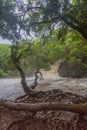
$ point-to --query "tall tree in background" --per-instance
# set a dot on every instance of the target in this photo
(9, 21)
(37, 15)
(49, 14)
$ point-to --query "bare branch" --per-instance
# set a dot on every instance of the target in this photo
(36, 7)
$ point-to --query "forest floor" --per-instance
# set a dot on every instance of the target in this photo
(46, 120)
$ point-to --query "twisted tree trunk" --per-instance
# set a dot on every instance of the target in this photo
(23, 80)
(36, 79)
(16, 62)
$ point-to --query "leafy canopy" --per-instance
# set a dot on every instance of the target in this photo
(11, 19)
(50, 14)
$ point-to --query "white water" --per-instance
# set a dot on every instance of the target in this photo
(11, 88)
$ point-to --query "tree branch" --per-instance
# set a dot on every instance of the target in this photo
(31, 8)
(71, 24)
(46, 21)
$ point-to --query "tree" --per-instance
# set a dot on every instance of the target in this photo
(34, 55)
(46, 15)
(16, 55)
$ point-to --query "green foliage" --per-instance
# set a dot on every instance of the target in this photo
(10, 19)
(73, 49)
(35, 55)
(2, 73)
(4, 54)
(47, 15)
(70, 47)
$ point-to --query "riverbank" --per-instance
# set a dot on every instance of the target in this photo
(45, 120)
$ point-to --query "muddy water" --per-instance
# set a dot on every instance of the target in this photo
(11, 88)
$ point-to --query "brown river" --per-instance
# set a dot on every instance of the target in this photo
(11, 87)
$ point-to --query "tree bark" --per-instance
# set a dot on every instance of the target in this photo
(23, 80)
(36, 79)
(83, 32)
(16, 62)
(80, 28)
(76, 108)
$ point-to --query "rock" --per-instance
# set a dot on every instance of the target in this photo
(72, 70)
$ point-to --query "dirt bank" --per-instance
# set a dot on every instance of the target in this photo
(45, 120)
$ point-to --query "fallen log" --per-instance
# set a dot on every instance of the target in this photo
(76, 108)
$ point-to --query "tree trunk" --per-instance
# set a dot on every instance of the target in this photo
(36, 79)
(16, 62)
(23, 81)
(76, 108)
(82, 29)
(83, 32)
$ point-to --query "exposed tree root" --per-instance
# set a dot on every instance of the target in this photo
(51, 95)
(44, 105)
(32, 93)
(76, 108)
